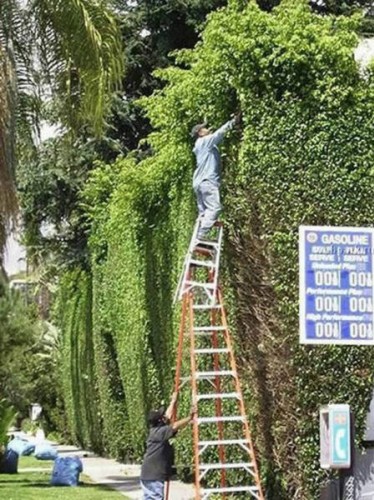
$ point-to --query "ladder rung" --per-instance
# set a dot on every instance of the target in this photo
(220, 465)
(221, 373)
(206, 243)
(188, 379)
(199, 283)
(211, 328)
(212, 351)
(203, 307)
(224, 442)
(203, 263)
(222, 395)
(212, 420)
(230, 489)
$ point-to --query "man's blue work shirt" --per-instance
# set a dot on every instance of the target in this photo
(207, 156)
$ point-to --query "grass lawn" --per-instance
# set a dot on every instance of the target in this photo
(30, 484)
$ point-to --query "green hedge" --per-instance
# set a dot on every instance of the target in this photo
(74, 309)
(304, 156)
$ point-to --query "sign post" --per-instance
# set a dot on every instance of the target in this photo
(336, 285)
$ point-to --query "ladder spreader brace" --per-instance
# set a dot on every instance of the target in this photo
(222, 443)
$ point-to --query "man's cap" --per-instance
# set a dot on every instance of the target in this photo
(155, 416)
(195, 130)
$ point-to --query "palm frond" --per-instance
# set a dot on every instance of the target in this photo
(81, 47)
(7, 416)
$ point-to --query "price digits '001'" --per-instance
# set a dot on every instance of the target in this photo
(328, 304)
(327, 278)
(360, 279)
(361, 304)
(361, 330)
(327, 330)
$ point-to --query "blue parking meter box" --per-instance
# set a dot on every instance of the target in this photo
(335, 436)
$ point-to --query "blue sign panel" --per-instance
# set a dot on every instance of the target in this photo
(336, 285)
(340, 436)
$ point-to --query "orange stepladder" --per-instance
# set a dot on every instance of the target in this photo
(225, 463)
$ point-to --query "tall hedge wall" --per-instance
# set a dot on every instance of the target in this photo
(74, 308)
(303, 156)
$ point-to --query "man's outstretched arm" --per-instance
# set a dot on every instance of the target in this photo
(180, 424)
(219, 134)
(169, 411)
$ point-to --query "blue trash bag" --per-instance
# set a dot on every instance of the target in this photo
(21, 446)
(9, 463)
(45, 451)
(66, 471)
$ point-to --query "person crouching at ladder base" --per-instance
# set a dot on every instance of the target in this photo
(207, 176)
(158, 459)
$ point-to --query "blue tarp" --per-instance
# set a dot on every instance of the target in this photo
(66, 471)
(45, 451)
(20, 446)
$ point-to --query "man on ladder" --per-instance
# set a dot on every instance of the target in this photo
(207, 176)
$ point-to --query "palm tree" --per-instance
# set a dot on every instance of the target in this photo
(72, 48)
(8, 202)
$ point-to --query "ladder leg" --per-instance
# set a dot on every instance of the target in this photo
(194, 398)
(180, 351)
(241, 401)
(218, 402)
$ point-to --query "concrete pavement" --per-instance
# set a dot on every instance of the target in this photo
(121, 477)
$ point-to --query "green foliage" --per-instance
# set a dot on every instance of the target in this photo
(27, 358)
(7, 416)
(17, 337)
(49, 185)
(77, 361)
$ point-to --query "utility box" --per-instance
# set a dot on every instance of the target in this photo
(335, 437)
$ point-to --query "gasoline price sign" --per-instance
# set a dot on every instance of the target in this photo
(336, 285)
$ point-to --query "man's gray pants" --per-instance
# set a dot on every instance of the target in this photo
(208, 204)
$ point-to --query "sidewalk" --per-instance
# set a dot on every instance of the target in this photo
(121, 477)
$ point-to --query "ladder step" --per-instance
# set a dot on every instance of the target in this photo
(202, 263)
(222, 395)
(212, 351)
(231, 489)
(213, 420)
(211, 328)
(222, 373)
(199, 283)
(220, 466)
(224, 442)
(188, 379)
(205, 307)
(206, 243)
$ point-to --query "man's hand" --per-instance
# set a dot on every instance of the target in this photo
(170, 409)
(193, 412)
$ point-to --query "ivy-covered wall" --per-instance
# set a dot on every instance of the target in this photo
(74, 311)
(303, 156)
